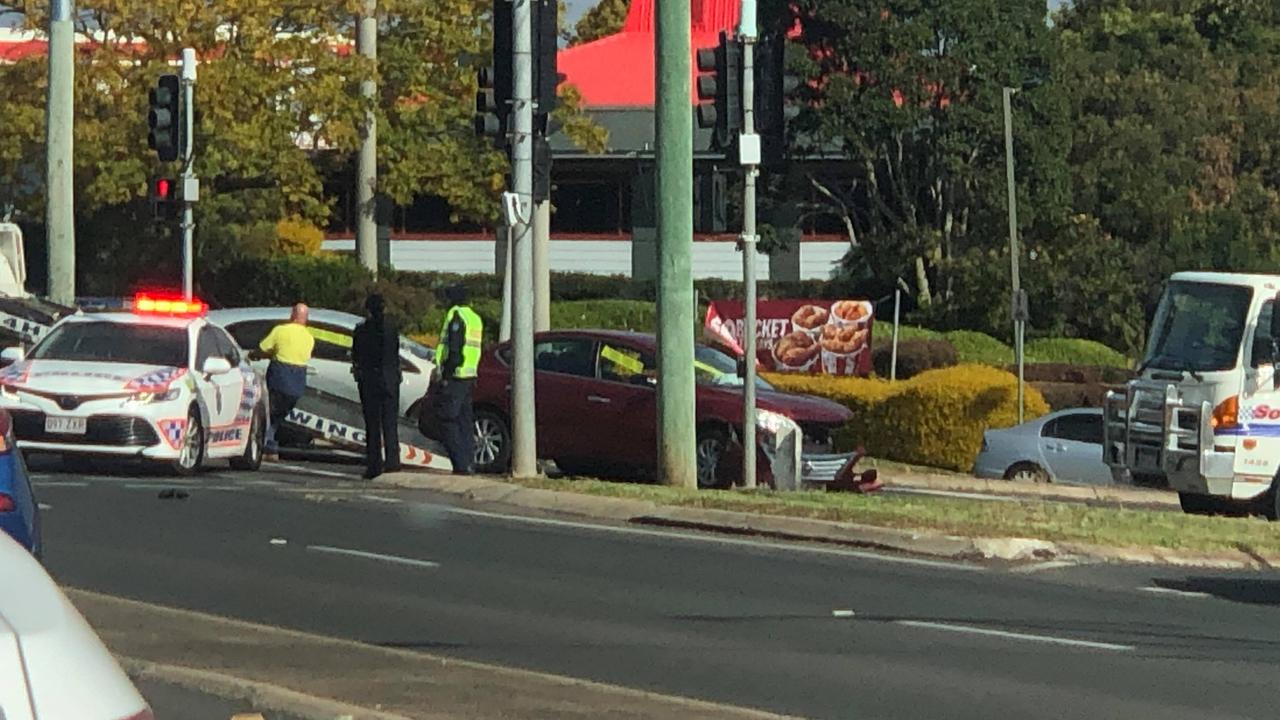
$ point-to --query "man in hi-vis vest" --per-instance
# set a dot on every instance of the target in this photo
(457, 362)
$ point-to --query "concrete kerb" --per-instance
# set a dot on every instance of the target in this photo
(261, 696)
(782, 527)
(1104, 493)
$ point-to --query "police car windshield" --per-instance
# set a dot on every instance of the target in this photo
(115, 343)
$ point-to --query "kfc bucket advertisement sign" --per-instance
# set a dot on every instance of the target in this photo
(805, 336)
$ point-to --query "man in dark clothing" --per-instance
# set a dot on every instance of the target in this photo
(457, 362)
(375, 362)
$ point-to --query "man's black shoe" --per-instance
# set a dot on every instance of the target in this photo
(393, 468)
(371, 474)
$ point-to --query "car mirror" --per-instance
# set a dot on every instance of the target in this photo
(12, 354)
(216, 366)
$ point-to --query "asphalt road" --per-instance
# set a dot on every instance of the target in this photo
(171, 702)
(802, 630)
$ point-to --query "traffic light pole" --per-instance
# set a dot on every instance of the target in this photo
(59, 204)
(524, 461)
(677, 428)
(190, 184)
(747, 32)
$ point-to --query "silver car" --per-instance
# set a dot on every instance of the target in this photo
(1064, 446)
(330, 368)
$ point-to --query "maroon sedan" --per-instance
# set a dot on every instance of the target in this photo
(597, 410)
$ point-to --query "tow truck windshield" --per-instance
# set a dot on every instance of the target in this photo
(1198, 327)
(115, 343)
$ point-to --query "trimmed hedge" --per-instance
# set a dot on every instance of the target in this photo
(1074, 351)
(936, 418)
(914, 357)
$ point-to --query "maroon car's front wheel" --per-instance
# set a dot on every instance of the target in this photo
(713, 446)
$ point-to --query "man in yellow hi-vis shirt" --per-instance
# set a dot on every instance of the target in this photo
(457, 362)
(289, 346)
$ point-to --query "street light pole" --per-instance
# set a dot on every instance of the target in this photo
(367, 165)
(59, 187)
(673, 132)
(1017, 302)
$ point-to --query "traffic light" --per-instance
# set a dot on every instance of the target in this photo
(720, 90)
(164, 197)
(493, 83)
(546, 76)
(774, 87)
(164, 118)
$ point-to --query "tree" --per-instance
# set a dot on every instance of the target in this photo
(907, 94)
(1176, 151)
(604, 19)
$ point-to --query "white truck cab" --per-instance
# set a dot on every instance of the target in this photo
(1203, 414)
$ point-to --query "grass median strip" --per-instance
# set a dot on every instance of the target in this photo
(1037, 519)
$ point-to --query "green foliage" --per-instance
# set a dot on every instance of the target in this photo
(976, 347)
(1075, 352)
(605, 19)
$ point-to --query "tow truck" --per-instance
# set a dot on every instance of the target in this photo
(334, 422)
(1202, 417)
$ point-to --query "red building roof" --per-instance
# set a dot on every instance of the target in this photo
(618, 71)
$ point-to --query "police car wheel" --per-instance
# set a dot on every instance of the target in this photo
(192, 452)
(252, 457)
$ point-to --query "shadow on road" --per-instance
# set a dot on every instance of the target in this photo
(1254, 591)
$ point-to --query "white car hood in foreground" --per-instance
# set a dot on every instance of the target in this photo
(87, 378)
(67, 670)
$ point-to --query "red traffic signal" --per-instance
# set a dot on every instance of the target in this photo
(162, 190)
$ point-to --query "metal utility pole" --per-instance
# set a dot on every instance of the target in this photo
(893, 355)
(190, 184)
(59, 107)
(677, 439)
(749, 157)
(1018, 303)
(542, 266)
(367, 170)
(524, 456)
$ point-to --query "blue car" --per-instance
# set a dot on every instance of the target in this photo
(19, 513)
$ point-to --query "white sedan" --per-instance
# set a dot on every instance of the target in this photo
(158, 382)
(1064, 446)
(52, 665)
(330, 367)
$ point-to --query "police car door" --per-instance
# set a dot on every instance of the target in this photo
(221, 393)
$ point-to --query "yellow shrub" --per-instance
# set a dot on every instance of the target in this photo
(936, 418)
(296, 236)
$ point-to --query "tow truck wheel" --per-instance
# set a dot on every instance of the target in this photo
(192, 453)
(252, 457)
(1271, 502)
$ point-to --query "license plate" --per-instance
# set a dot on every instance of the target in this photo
(64, 425)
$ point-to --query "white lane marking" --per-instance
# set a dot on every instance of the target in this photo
(971, 630)
(279, 541)
(950, 494)
(43, 506)
(1049, 565)
(313, 471)
(1179, 593)
(59, 483)
(372, 556)
(860, 554)
(379, 498)
(842, 613)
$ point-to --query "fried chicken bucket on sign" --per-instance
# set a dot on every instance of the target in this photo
(810, 319)
(841, 347)
(797, 351)
(851, 313)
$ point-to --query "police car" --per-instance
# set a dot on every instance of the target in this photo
(157, 382)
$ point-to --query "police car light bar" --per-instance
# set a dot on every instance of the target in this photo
(148, 305)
